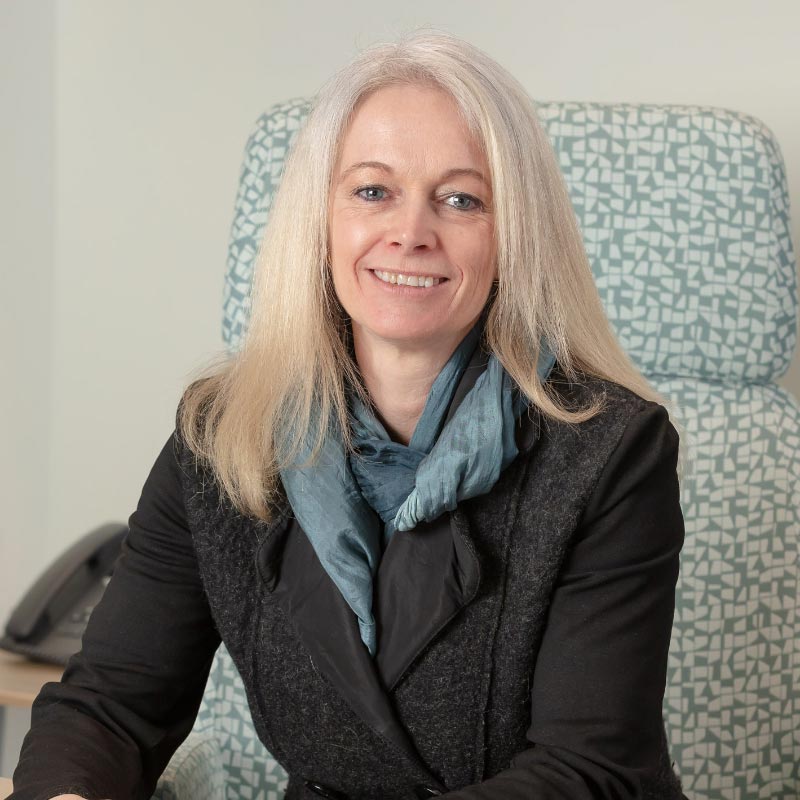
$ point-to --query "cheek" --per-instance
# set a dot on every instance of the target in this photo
(485, 267)
(349, 231)
(338, 238)
(349, 243)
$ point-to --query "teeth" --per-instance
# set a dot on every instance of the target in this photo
(425, 281)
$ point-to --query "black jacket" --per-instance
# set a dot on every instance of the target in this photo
(522, 649)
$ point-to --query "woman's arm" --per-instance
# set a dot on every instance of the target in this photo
(596, 720)
(130, 697)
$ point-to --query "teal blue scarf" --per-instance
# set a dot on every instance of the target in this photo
(350, 507)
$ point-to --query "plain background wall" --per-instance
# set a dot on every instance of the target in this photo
(27, 267)
(27, 37)
(122, 131)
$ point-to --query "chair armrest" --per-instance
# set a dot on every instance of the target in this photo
(195, 772)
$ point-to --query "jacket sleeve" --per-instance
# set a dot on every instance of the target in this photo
(131, 695)
(596, 721)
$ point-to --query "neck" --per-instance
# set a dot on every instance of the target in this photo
(399, 377)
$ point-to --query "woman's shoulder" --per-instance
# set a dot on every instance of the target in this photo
(584, 389)
(614, 405)
(623, 422)
(209, 510)
(630, 441)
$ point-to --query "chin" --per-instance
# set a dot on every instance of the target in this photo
(413, 335)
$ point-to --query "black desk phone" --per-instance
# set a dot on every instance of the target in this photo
(49, 621)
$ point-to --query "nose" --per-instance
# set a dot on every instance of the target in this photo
(412, 226)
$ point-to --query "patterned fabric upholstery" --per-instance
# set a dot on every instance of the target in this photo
(195, 770)
(732, 705)
(240, 768)
(685, 217)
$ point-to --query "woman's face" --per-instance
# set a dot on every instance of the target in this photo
(411, 198)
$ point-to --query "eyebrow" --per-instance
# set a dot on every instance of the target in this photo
(455, 172)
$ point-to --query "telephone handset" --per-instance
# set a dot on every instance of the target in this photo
(49, 621)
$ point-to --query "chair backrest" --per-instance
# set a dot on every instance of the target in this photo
(685, 217)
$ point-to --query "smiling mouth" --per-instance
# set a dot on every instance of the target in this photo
(400, 279)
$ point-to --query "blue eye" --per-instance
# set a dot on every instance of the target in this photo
(463, 201)
(469, 198)
(360, 193)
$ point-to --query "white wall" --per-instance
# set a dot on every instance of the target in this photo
(26, 288)
(113, 277)
(26, 268)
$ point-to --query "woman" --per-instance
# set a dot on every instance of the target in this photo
(431, 508)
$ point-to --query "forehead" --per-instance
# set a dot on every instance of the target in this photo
(410, 127)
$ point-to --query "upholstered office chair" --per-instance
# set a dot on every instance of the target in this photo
(685, 216)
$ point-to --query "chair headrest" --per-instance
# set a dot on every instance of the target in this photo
(685, 217)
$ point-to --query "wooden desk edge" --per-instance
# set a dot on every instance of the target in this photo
(21, 679)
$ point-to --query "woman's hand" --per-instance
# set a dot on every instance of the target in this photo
(68, 797)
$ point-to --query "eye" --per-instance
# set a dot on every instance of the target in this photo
(464, 202)
(369, 193)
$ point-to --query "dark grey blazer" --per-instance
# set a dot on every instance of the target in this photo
(522, 648)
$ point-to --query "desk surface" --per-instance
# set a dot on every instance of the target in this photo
(20, 679)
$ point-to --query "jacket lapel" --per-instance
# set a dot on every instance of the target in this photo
(426, 576)
(328, 628)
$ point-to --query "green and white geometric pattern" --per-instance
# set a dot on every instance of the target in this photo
(685, 218)
(263, 163)
(732, 705)
(239, 767)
